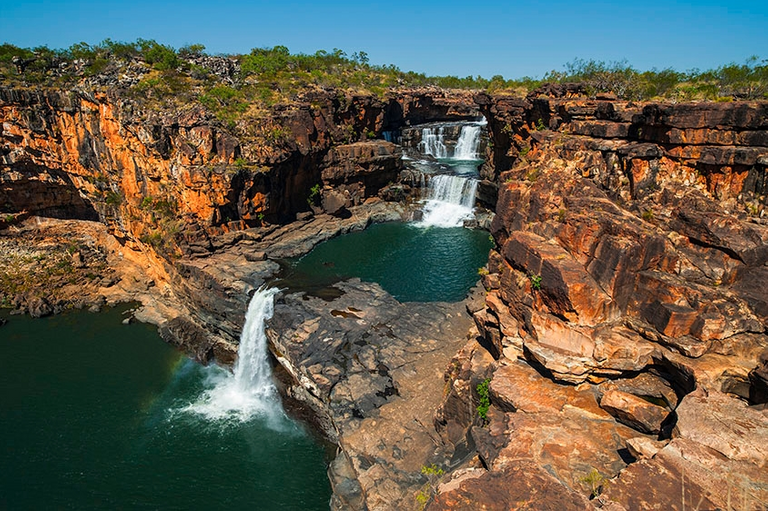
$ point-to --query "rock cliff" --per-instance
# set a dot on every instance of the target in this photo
(624, 311)
(172, 186)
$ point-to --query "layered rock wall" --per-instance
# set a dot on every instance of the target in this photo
(175, 187)
(631, 245)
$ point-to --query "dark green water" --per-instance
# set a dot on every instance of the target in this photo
(89, 419)
(412, 263)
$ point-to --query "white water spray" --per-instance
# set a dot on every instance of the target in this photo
(466, 146)
(248, 391)
(432, 143)
(449, 201)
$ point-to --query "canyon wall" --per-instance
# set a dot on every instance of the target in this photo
(102, 155)
(175, 187)
(625, 312)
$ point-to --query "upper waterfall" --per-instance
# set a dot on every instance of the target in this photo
(457, 140)
(432, 142)
(469, 140)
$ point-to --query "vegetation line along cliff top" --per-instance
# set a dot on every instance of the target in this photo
(236, 86)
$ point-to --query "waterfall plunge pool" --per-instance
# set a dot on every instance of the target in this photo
(413, 263)
(92, 417)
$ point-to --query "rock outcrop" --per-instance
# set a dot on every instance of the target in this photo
(369, 366)
(631, 243)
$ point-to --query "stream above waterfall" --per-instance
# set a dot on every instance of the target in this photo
(430, 259)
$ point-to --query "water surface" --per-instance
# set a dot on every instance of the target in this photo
(91, 418)
(412, 263)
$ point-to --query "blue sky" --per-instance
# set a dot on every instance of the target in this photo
(512, 38)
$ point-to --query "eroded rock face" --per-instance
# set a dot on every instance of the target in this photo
(173, 179)
(630, 250)
(615, 244)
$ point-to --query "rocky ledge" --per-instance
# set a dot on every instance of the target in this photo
(623, 339)
(370, 369)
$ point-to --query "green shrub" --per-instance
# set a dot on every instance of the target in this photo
(535, 281)
(484, 399)
(313, 194)
(595, 482)
(159, 56)
(113, 198)
(433, 474)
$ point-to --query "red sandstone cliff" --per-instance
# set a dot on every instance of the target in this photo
(630, 261)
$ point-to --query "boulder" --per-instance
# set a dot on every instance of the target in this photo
(335, 203)
(634, 411)
(39, 307)
(644, 447)
(670, 319)
(725, 424)
(645, 385)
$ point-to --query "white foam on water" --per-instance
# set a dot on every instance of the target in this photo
(450, 200)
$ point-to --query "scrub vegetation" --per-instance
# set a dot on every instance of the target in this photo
(234, 86)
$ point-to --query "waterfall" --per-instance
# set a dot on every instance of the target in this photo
(449, 201)
(469, 139)
(248, 391)
(252, 372)
(432, 143)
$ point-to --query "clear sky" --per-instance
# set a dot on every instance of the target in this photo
(512, 38)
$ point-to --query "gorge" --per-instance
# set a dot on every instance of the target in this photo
(622, 309)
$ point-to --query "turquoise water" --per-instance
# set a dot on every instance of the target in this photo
(467, 168)
(90, 419)
(412, 263)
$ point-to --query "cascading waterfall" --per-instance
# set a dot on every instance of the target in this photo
(466, 146)
(248, 391)
(449, 201)
(432, 143)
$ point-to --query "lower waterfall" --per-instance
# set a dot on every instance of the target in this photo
(248, 391)
(449, 201)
